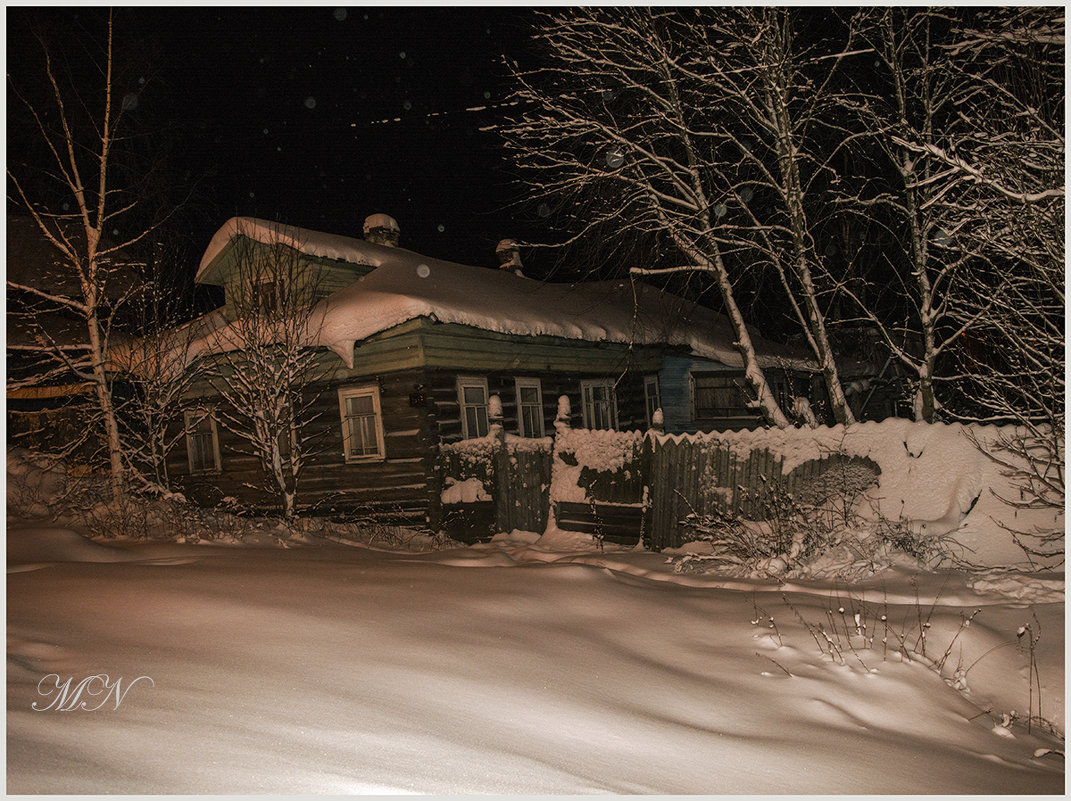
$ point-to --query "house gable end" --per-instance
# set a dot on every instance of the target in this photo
(233, 266)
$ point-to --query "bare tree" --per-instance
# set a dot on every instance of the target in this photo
(906, 112)
(968, 110)
(264, 365)
(1003, 177)
(709, 134)
(963, 115)
(618, 131)
(159, 366)
(1002, 184)
(79, 136)
(778, 96)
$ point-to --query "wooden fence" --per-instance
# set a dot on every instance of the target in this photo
(654, 485)
(702, 477)
(506, 481)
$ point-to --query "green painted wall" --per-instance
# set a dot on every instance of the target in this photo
(231, 269)
(450, 346)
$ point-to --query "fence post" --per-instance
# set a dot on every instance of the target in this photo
(658, 426)
(500, 489)
(565, 411)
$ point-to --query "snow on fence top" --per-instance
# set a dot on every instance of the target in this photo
(406, 286)
(936, 476)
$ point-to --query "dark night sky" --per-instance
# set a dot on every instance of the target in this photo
(277, 109)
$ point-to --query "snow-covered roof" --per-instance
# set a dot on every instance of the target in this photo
(407, 286)
(314, 243)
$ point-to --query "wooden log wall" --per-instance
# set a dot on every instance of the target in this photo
(403, 485)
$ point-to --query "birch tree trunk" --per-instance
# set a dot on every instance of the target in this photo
(79, 135)
(775, 65)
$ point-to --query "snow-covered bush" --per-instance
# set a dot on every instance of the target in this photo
(784, 530)
(816, 531)
(1032, 458)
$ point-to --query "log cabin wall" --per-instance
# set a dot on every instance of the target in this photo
(399, 485)
(416, 367)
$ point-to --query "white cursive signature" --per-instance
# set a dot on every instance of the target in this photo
(67, 697)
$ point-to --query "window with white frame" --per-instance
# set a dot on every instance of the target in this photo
(472, 398)
(362, 423)
(529, 407)
(600, 403)
(202, 442)
(652, 397)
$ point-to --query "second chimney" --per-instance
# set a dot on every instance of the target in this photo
(509, 256)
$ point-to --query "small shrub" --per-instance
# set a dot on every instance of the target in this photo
(854, 631)
(816, 531)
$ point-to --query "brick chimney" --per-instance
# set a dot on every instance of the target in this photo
(509, 256)
(382, 229)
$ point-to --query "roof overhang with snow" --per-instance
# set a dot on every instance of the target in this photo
(312, 243)
(406, 286)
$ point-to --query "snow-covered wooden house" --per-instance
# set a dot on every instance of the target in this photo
(416, 347)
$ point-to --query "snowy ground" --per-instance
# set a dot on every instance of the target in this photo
(516, 667)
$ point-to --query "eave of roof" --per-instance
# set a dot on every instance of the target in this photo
(407, 286)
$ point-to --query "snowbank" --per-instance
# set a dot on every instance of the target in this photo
(42, 544)
(514, 668)
(546, 665)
